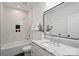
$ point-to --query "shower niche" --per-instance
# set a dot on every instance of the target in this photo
(65, 20)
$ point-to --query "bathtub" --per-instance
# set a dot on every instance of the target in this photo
(12, 49)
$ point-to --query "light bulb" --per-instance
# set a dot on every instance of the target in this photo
(18, 5)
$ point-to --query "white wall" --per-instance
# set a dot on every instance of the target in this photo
(12, 17)
(38, 14)
(51, 4)
(37, 18)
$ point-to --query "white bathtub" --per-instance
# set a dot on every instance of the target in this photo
(11, 49)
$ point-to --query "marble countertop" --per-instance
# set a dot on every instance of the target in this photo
(57, 49)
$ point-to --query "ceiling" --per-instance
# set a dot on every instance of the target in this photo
(25, 6)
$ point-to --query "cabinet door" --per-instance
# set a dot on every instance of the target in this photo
(38, 51)
(35, 51)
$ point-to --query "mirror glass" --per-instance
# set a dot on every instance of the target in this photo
(62, 20)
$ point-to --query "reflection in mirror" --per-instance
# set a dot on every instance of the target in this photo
(73, 22)
(63, 20)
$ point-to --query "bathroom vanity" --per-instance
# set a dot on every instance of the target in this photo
(49, 48)
(63, 20)
(39, 50)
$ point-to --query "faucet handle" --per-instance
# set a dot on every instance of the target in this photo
(68, 35)
(59, 34)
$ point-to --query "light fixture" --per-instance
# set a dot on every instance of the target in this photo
(18, 6)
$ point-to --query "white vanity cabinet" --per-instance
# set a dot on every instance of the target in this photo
(38, 51)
